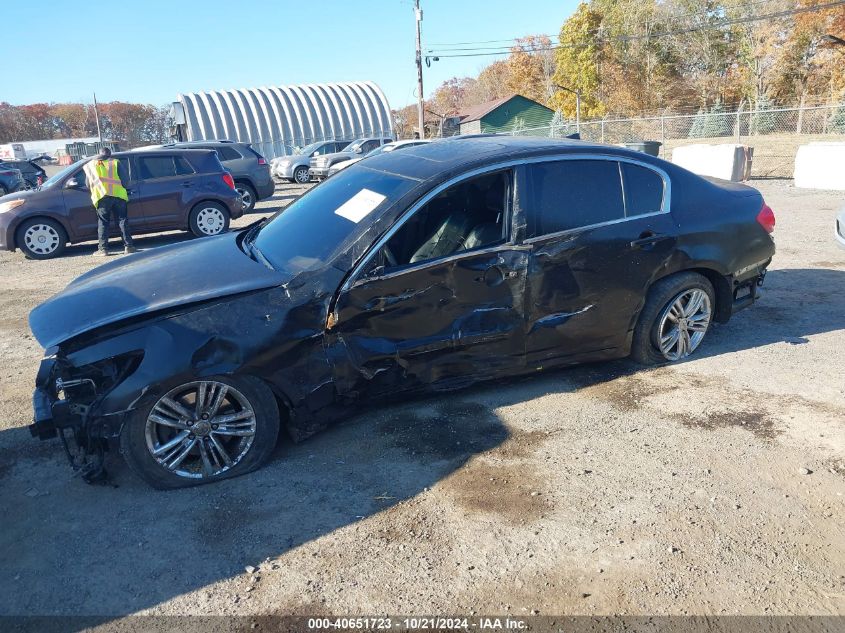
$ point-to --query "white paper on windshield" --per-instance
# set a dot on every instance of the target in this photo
(360, 205)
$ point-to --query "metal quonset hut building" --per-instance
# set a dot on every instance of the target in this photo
(278, 119)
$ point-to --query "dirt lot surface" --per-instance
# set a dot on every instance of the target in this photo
(714, 486)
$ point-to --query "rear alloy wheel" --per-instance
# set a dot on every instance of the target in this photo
(248, 196)
(209, 218)
(202, 431)
(41, 238)
(300, 175)
(674, 320)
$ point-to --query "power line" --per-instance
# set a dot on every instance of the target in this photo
(631, 38)
(669, 17)
(516, 40)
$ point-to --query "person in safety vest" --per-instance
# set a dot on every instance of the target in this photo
(105, 177)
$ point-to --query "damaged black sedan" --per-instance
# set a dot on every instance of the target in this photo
(458, 261)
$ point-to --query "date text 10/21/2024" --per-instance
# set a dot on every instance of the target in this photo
(417, 623)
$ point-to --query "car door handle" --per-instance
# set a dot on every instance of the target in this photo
(187, 183)
(648, 239)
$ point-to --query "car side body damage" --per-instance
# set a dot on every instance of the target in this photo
(377, 314)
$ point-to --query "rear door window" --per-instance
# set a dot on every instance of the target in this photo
(227, 153)
(152, 167)
(571, 194)
(183, 167)
(643, 190)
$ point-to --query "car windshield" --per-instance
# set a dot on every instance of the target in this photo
(308, 149)
(61, 175)
(354, 145)
(381, 150)
(311, 230)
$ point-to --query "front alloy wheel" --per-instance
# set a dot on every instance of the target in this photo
(202, 431)
(683, 324)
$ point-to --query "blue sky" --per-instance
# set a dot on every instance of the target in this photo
(161, 48)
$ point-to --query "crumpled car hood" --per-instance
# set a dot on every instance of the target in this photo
(148, 282)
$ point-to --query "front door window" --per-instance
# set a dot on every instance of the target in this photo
(441, 301)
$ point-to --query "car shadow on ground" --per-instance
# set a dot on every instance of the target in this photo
(795, 303)
(124, 547)
(120, 549)
(141, 242)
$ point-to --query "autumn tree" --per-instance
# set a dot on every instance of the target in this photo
(579, 59)
(531, 68)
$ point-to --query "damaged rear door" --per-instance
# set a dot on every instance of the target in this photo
(439, 301)
(601, 230)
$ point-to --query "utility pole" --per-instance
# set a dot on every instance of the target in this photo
(420, 102)
(97, 117)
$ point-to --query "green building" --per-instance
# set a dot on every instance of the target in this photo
(505, 115)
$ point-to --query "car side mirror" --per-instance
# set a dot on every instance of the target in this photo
(359, 150)
(72, 183)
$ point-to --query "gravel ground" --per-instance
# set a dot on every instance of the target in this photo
(714, 486)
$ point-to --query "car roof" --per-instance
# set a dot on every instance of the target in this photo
(162, 150)
(460, 153)
(208, 142)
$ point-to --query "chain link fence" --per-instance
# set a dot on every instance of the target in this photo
(774, 133)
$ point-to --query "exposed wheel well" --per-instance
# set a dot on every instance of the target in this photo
(724, 293)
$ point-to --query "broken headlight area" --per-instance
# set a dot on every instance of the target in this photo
(65, 406)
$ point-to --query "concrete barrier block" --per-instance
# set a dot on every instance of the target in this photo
(820, 165)
(727, 161)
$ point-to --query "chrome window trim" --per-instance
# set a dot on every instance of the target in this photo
(665, 202)
(499, 166)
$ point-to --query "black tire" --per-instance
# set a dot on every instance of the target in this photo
(300, 175)
(139, 458)
(53, 234)
(644, 346)
(203, 221)
(248, 195)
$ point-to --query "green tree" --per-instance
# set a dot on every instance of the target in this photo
(716, 122)
(697, 128)
(837, 121)
(578, 67)
(763, 119)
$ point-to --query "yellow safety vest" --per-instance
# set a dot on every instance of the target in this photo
(103, 180)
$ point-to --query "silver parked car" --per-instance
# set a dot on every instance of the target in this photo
(840, 227)
(295, 167)
(319, 166)
(390, 147)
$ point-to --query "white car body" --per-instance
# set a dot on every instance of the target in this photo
(839, 230)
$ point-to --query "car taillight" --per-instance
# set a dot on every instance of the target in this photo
(227, 178)
(766, 218)
(261, 161)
